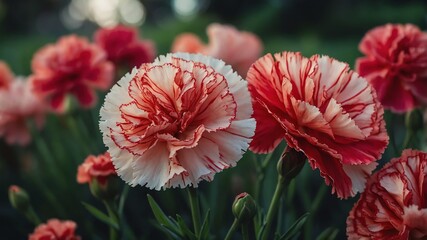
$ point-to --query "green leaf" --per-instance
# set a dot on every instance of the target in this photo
(295, 228)
(122, 200)
(185, 230)
(100, 215)
(259, 223)
(158, 212)
(169, 233)
(161, 216)
(328, 234)
(204, 230)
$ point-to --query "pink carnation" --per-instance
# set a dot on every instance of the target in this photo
(71, 66)
(18, 105)
(322, 108)
(123, 46)
(6, 75)
(55, 229)
(237, 48)
(99, 167)
(177, 121)
(396, 65)
(394, 204)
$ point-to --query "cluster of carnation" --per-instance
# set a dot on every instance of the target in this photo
(183, 117)
(71, 66)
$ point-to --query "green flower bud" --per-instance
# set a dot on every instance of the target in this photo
(19, 198)
(414, 120)
(244, 207)
(291, 163)
(106, 189)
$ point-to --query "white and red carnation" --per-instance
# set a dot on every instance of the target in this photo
(396, 65)
(71, 66)
(177, 121)
(322, 108)
(237, 48)
(394, 204)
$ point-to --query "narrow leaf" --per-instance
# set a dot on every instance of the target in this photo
(185, 230)
(204, 230)
(328, 234)
(158, 212)
(295, 228)
(169, 233)
(100, 215)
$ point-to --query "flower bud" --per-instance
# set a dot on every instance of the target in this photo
(244, 207)
(291, 163)
(19, 198)
(108, 188)
(414, 120)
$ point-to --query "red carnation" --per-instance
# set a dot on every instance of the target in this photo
(322, 108)
(394, 204)
(6, 75)
(71, 66)
(55, 229)
(123, 46)
(99, 167)
(396, 65)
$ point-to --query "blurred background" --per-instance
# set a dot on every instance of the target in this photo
(332, 28)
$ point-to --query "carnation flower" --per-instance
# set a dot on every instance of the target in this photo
(322, 108)
(55, 229)
(6, 75)
(99, 167)
(71, 66)
(18, 105)
(237, 48)
(394, 204)
(177, 121)
(123, 46)
(396, 65)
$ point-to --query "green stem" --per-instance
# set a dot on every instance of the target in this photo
(313, 210)
(195, 209)
(245, 230)
(408, 139)
(261, 168)
(72, 125)
(112, 212)
(232, 229)
(280, 216)
(32, 216)
(392, 135)
(272, 210)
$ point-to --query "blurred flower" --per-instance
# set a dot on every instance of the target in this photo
(177, 121)
(123, 46)
(322, 108)
(6, 75)
(71, 66)
(18, 105)
(19, 198)
(99, 167)
(396, 65)
(55, 229)
(393, 205)
(238, 48)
